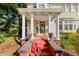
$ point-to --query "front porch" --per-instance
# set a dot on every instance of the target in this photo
(39, 22)
(40, 26)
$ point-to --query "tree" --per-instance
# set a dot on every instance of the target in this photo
(10, 16)
(22, 5)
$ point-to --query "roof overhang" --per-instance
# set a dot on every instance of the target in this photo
(43, 11)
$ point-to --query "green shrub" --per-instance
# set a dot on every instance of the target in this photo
(2, 21)
(2, 38)
(13, 31)
(71, 39)
(65, 41)
(78, 30)
(75, 41)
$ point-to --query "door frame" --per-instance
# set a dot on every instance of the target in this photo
(42, 23)
(38, 25)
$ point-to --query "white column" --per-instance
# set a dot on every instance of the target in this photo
(63, 26)
(32, 26)
(65, 8)
(58, 28)
(73, 25)
(23, 26)
(38, 27)
(37, 5)
(46, 5)
(49, 24)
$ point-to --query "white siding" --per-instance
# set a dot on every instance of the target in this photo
(53, 26)
(72, 16)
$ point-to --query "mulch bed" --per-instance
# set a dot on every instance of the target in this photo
(71, 52)
(8, 48)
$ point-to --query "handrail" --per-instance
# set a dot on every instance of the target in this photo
(51, 36)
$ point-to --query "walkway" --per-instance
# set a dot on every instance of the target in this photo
(40, 47)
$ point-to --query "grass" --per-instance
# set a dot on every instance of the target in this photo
(4, 38)
(9, 39)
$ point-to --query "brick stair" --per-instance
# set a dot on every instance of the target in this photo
(40, 47)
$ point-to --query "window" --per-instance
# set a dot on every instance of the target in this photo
(71, 7)
(70, 26)
(75, 7)
(67, 25)
(41, 5)
(74, 26)
(60, 25)
(67, 7)
(34, 5)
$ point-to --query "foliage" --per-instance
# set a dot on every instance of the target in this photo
(10, 14)
(2, 21)
(13, 31)
(22, 5)
(65, 41)
(71, 39)
(10, 20)
(2, 38)
(78, 30)
(10, 17)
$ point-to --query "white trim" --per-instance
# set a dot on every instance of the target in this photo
(63, 25)
(72, 9)
(24, 10)
(32, 25)
(58, 28)
(63, 30)
(23, 26)
(49, 24)
(41, 17)
(78, 7)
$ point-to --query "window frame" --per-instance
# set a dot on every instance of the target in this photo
(34, 5)
(41, 5)
(75, 7)
(60, 24)
(68, 23)
(67, 7)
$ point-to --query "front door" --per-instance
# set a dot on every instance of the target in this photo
(42, 26)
